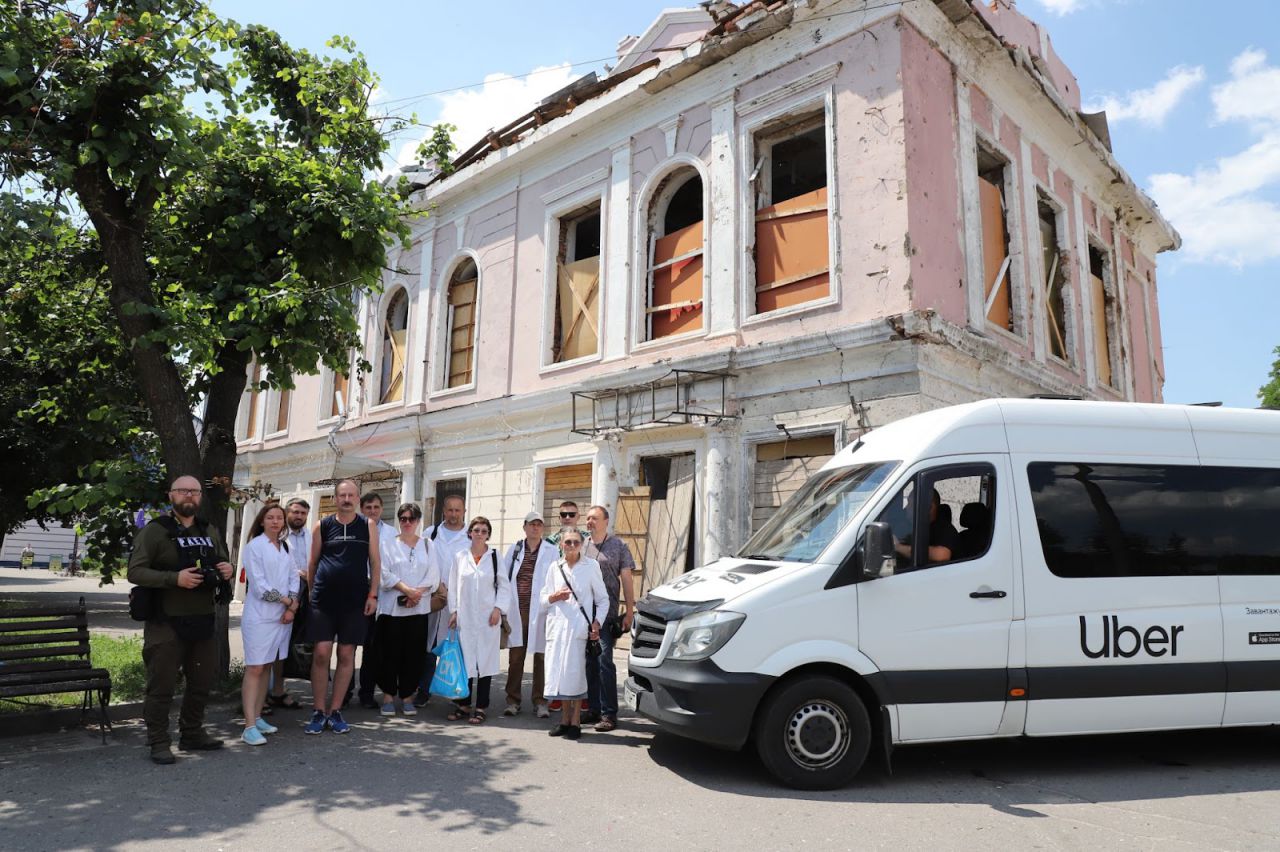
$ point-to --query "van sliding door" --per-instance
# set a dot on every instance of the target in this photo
(1123, 625)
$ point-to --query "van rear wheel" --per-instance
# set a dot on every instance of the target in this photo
(813, 734)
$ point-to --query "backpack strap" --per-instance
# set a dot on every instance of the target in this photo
(435, 531)
(515, 556)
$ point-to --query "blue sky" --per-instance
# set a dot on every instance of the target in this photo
(1192, 90)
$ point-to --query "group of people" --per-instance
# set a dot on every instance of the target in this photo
(553, 600)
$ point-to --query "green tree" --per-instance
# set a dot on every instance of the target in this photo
(228, 231)
(1269, 394)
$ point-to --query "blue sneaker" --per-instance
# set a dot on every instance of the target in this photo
(252, 736)
(408, 708)
(337, 724)
(317, 723)
(265, 726)
(388, 709)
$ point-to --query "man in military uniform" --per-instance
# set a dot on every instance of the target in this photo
(179, 563)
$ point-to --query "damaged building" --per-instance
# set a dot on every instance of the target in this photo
(678, 287)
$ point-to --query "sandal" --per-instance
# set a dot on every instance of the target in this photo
(287, 701)
(477, 718)
(458, 714)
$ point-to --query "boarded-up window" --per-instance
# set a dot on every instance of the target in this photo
(327, 504)
(282, 411)
(1103, 314)
(577, 311)
(395, 329)
(674, 304)
(338, 399)
(1054, 284)
(567, 482)
(461, 319)
(254, 395)
(997, 285)
(444, 488)
(792, 247)
(781, 468)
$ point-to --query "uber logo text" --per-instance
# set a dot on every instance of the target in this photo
(1125, 641)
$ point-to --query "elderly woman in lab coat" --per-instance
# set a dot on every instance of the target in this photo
(479, 595)
(271, 601)
(573, 596)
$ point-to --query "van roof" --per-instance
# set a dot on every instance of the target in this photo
(1155, 433)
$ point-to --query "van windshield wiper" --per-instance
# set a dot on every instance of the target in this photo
(763, 556)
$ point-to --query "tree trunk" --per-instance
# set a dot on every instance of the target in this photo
(121, 235)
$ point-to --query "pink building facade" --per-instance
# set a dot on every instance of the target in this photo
(825, 215)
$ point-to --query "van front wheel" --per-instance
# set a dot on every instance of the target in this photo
(813, 734)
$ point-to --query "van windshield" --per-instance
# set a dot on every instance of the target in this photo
(806, 524)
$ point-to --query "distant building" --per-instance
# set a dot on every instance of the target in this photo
(676, 288)
(55, 541)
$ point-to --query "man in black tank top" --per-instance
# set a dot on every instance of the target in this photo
(343, 574)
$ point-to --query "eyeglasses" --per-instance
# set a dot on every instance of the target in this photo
(189, 492)
(407, 519)
(480, 530)
(571, 543)
(568, 514)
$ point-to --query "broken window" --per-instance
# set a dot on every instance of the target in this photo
(792, 253)
(1055, 281)
(461, 320)
(674, 304)
(577, 311)
(1100, 276)
(996, 262)
(338, 399)
(395, 326)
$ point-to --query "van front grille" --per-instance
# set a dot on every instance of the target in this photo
(646, 639)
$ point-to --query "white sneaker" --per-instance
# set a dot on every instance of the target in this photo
(512, 710)
(541, 711)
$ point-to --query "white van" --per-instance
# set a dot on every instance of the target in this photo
(1083, 567)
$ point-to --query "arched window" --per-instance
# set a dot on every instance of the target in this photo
(460, 360)
(674, 303)
(395, 325)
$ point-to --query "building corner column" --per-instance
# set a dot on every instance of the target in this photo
(719, 490)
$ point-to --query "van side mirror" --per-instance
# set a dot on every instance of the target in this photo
(878, 558)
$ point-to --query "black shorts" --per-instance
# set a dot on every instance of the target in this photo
(349, 626)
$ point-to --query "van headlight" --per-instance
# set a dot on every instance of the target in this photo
(702, 634)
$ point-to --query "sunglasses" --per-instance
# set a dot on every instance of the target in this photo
(571, 543)
(407, 519)
(568, 514)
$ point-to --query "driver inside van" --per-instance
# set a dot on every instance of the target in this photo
(942, 536)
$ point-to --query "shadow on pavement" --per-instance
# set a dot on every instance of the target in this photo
(1000, 773)
(63, 791)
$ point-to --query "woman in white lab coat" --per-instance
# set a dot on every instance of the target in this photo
(573, 597)
(479, 594)
(271, 600)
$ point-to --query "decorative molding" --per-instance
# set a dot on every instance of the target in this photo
(813, 78)
(670, 129)
(598, 176)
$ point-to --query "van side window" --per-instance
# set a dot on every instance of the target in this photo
(1108, 520)
(964, 493)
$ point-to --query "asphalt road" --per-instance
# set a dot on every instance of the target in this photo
(409, 783)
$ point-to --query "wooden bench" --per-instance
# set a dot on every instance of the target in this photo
(44, 650)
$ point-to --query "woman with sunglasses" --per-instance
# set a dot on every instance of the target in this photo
(479, 595)
(573, 596)
(409, 576)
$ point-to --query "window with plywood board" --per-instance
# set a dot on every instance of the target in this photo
(675, 274)
(1101, 281)
(250, 403)
(395, 330)
(1054, 286)
(997, 270)
(282, 410)
(577, 300)
(792, 251)
(338, 399)
(460, 357)
(565, 482)
(781, 468)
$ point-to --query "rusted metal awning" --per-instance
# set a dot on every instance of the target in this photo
(680, 397)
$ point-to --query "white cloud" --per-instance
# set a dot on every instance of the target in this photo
(1062, 7)
(1227, 212)
(1152, 105)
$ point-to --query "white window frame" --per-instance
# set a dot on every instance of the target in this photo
(823, 100)
(384, 305)
(642, 247)
(1073, 360)
(1111, 318)
(566, 207)
(540, 467)
(1016, 278)
(323, 418)
(242, 415)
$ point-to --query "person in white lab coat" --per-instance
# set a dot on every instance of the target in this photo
(479, 593)
(445, 541)
(409, 576)
(526, 564)
(269, 607)
(574, 596)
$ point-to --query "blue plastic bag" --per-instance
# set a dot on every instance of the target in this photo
(450, 680)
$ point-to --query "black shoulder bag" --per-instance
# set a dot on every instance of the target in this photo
(594, 649)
